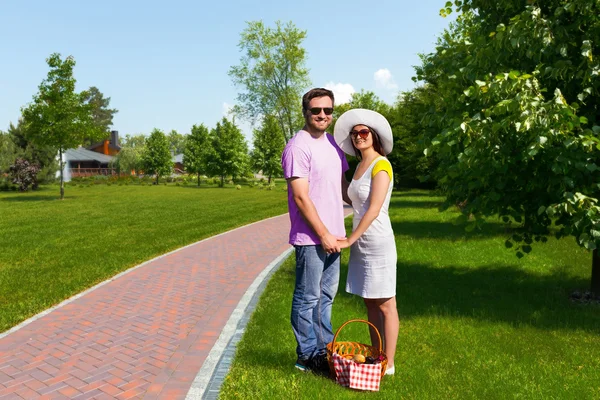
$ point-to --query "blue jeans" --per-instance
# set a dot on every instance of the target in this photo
(317, 279)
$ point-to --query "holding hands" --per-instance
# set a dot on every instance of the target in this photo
(344, 243)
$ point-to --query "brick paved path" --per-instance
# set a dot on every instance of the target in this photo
(146, 333)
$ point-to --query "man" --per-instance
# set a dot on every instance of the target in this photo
(314, 167)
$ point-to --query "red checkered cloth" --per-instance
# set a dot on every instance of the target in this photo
(356, 376)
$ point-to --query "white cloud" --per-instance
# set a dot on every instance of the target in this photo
(226, 109)
(341, 91)
(384, 79)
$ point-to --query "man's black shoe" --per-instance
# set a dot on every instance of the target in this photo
(319, 365)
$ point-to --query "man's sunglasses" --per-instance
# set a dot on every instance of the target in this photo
(363, 133)
(317, 110)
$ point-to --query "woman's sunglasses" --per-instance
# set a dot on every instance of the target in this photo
(317, 110)
(363, 133)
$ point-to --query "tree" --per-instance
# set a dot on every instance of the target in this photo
(101, 114)
(411, 167)
(128, 160)
(362, 99)
(229, 151)
(156, 157)
(272, 73)
(196, 151)
(517, 134)
(58, 117)
(268, 146)
(176, 142)
(43, 156)
(8, 152)
(138, 141)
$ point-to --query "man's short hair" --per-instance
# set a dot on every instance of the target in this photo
(316, 92)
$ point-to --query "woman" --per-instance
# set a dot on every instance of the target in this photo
(367, 135)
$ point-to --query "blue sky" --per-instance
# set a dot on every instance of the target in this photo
(164, 64)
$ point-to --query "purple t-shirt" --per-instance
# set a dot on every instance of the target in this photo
(322, 162)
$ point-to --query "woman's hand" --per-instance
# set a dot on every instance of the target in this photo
(344, 243)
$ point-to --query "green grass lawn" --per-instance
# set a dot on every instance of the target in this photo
(52, 249)
(476, 322)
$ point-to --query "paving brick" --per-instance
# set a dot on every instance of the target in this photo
(147, 332)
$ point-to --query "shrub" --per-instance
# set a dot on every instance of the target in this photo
(24, 174)
(238, 187)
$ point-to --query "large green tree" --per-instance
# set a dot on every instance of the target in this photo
(59, 117)
(517, 134)
(268, 144)
(99, 105)
(156, 156)
(228, 151)
(196, 151)
(271, 73)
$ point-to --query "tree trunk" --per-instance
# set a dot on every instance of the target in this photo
(595, 287)
(62, 182)
(269, 179)
(198, 179)
(157, 176)
(222, 181)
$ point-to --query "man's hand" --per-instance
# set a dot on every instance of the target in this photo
(330, 243)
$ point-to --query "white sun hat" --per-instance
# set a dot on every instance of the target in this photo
(361, 116)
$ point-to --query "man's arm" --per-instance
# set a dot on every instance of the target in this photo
(299, 187)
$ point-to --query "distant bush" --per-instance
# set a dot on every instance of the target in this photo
(24, 174)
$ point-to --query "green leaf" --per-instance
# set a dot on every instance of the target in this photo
(541, 210)
(583, 120)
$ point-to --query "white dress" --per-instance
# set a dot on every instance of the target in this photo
(372, 265)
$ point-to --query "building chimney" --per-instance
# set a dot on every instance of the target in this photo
(114, 138)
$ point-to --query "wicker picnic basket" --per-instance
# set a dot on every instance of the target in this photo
(350, 349)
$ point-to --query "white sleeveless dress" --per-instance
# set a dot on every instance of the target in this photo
(372, 265)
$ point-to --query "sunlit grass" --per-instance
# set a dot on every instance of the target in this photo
(52, 249)
(476, 322)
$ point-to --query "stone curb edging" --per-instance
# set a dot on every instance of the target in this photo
(209, 379)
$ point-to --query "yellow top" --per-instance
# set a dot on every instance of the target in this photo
(382, 165)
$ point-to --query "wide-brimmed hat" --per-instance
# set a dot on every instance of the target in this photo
(361, 116)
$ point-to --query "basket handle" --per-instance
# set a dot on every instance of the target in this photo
(358, 320)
